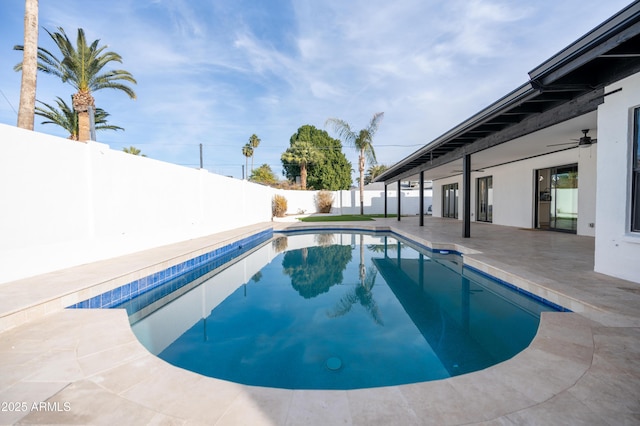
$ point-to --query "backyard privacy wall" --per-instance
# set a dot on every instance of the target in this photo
(65, 203)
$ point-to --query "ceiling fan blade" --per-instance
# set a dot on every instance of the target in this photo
(566, 143)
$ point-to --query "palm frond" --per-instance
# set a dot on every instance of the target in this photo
(343, 130)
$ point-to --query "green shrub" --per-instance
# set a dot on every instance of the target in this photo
(279, 206)
(325, 201)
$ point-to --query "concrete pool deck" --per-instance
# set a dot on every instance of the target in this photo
(86, 366)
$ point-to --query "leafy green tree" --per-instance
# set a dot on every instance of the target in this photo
(301, 153)
(373, 172)
(362, 141)
(254, 141)
(67, 118)
(26, 109)
(331, 172)
(82, 67)
(263, 174)
(314, 270)
(133, 150)
(247, 151)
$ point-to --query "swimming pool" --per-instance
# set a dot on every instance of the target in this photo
(336, 310)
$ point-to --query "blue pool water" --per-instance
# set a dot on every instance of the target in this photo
(338, 311)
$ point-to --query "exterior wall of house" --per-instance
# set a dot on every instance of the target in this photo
(513, 189)
(617, 249)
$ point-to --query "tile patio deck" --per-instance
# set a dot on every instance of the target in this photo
(87, 367)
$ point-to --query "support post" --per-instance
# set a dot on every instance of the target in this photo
(422, 198)
(385, 200)
(466, 196)
(399, 201)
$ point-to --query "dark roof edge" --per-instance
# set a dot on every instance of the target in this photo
(622, 19)
(510, 100)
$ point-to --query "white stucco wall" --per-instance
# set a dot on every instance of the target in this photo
(513, 189)
(617, 249)
(348, 202)
(65, 203)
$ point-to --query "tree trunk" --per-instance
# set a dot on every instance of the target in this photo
(26, 110)
(81, 103)
(303, 175)
(361, 181)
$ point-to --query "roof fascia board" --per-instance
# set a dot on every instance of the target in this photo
(580, 106)
(622, 25)
(516, 97)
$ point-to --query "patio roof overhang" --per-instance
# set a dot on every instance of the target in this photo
(560, 99)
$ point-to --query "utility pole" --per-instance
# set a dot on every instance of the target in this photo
(201, 156)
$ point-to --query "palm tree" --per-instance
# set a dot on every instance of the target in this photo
(361, 294)
(254, 141)
(82, 67)
(247, 151)
(301, 153)
(362, 141)
(133, 150)
(30, 69)
(373, 172)
(67, 118)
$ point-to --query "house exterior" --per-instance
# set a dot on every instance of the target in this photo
(559, 153)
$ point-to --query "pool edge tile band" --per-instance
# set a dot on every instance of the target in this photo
(514, 287)
(142, 285)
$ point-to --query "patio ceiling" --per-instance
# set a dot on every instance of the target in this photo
(558, 101)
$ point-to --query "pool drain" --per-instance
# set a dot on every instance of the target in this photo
(334, 363)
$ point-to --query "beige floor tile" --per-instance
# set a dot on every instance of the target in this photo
(83, 403)
(381, 406)
(258, 406)
(319, 408)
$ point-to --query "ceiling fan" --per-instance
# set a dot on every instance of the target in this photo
(583, 141)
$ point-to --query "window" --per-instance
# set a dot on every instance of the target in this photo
(450, 200)
(635, 179)
(484, 199)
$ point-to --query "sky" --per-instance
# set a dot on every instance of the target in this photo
(214, 72)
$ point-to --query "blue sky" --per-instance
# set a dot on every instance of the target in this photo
(213, 72)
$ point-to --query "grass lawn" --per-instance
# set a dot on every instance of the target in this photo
(341, 218)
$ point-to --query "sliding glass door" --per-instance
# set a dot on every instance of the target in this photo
(450, 200)
(484, 208)
(558, 198)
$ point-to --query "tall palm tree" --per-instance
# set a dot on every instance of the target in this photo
(247, 151)
(301, 153)
(362, 141)
(67, 118)
(254, 141)
(30, 68)
(82, 67)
